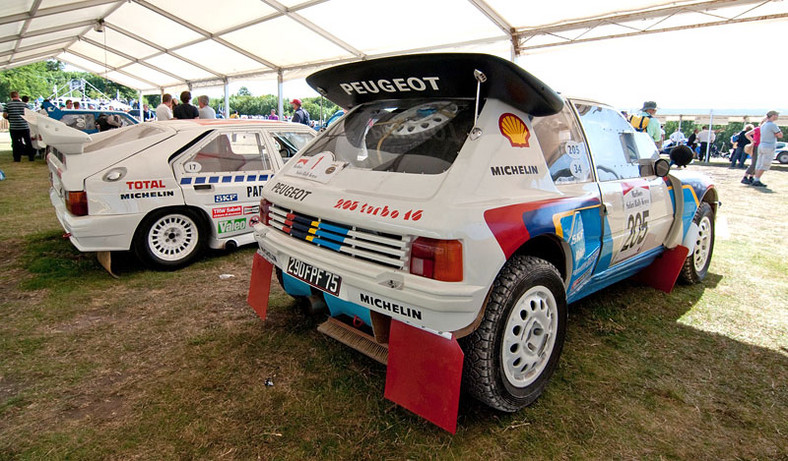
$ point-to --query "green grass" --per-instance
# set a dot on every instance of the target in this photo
(172, 365)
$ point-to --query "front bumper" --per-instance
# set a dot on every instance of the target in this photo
(416, 300)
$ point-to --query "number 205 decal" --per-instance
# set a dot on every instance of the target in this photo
(374, 210)
(637, 225)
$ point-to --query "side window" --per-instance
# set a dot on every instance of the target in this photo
(563, 147)
(287, 143)
(612, 141)
(235, 151)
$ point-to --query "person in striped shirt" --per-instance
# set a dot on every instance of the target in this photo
(18, 128)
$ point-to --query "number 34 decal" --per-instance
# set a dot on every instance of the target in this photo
(637, 225)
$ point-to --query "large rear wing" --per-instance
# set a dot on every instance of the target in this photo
(56, 133)
(437, 75)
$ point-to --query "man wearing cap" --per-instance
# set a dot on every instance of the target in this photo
(300, 115)
(647, 121)
(770, 133)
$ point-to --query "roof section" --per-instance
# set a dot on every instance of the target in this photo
(155, 45)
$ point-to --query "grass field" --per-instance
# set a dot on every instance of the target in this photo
(173, 365)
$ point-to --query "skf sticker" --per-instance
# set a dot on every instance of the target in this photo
(514, 129)
(226, 212)
(222, 198)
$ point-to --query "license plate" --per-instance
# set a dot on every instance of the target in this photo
(318, 278)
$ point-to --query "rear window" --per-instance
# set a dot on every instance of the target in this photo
(123, 135)
(405, 136)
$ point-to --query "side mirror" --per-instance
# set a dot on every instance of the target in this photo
(661, 167)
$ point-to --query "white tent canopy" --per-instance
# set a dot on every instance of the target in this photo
(167, 45)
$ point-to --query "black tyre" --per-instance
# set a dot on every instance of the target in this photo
(697, 264)
(782, 157)
(513, 353)
(170, 238)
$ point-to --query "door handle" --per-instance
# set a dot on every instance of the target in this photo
(203, 187)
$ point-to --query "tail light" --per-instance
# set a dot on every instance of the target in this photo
(77, 203)
(437, 259)
(265, 211)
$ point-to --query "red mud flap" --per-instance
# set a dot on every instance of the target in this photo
(260, 285)
(424, 374)
(664, 271)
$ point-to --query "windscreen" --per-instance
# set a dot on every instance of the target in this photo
(415, 136)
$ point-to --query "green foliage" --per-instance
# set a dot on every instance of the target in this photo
(40, 78)
(246, 104)
(244, 91)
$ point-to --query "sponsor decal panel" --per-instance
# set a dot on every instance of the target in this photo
(225, 212)
(637, 202)
(389, 306)
(254, 191)
(254, 209)
(286, 190)
(231, 225)
(320, 167)
(514, 129)
(223, 198)
(384, 211)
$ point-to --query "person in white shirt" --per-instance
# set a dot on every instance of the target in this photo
(677, 137)
(705, 137)
(206, 111)
(164, 110)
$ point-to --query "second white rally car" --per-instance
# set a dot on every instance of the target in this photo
(165, 190)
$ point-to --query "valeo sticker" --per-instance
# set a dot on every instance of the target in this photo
(232, 225)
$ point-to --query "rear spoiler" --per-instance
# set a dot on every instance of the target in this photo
(435, 75)
(56, 133)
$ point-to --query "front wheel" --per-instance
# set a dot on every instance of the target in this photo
(170, 238)
(513, 353)
(782, 157)
(697, 263)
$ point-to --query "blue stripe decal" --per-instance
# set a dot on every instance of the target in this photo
(227, 179)
(186, 180)
(262, 177)
(213, 179)
(199, 180)
(327, 244)
(239, 178)
(251, 177)
(335, 229)
(330, 236)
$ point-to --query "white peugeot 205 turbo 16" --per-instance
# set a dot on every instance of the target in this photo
(165, 190)
(446, 221)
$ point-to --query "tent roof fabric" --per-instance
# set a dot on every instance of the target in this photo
(165, 45)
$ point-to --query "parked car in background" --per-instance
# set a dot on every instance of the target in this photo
(781, 152)
(166, 190)
(86, 120)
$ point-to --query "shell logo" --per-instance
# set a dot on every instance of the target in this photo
(514, 129)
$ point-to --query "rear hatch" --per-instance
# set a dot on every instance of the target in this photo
(76, 155)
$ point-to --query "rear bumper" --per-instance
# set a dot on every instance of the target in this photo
(96, 233)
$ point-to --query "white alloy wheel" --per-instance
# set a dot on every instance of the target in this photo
(529, 336)
(173, 237)
(703, 244)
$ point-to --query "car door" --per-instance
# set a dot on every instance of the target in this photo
(636, 203)
(224, 174)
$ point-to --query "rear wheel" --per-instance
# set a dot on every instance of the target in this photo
(697, 264)
(513, 353)
(170, 238)
(782, 157)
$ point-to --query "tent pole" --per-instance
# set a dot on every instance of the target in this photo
(142, 115)
(280, 88)
(226, 98)
(711, 130)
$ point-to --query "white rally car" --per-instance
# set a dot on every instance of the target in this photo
(164, 189)
(462, 199)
